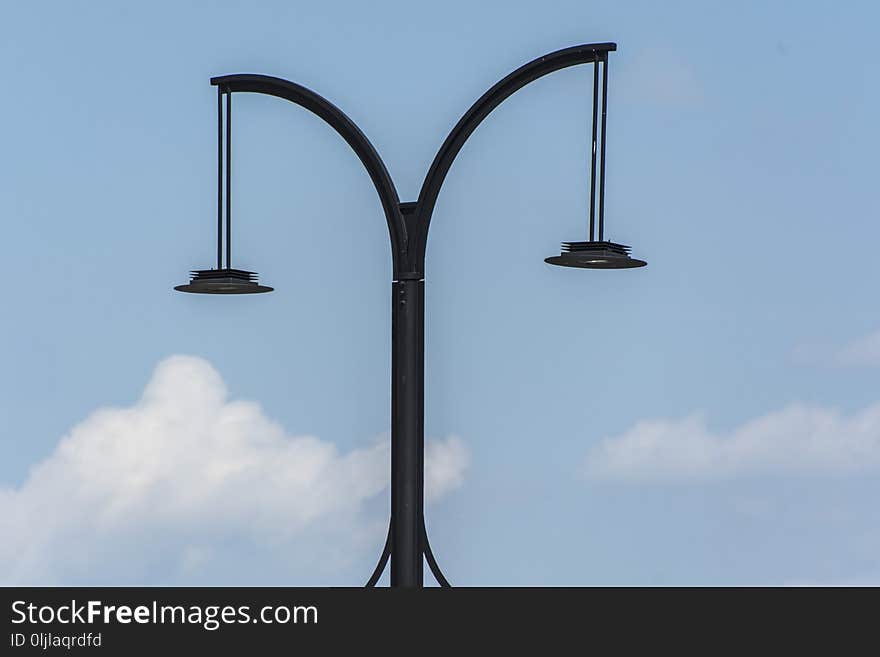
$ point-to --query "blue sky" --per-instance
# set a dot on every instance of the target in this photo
(710, 419)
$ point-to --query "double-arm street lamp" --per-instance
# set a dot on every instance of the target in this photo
(407, 542)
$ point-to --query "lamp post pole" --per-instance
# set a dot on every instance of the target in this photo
(407, 543)
(407, 432)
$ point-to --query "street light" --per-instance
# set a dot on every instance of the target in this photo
(408, 223)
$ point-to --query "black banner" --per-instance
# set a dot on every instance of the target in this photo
(133, 621)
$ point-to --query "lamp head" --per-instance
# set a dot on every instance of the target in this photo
(223, 281)
(595, 255)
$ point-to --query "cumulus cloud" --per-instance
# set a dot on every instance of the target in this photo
(798, 439)
(154, 490)
(445, 465)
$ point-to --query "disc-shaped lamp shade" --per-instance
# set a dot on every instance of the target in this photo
(595, 255)
(223, 281)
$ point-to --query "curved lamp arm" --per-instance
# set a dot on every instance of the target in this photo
(272, 86)
(583, 54)
(408, 247)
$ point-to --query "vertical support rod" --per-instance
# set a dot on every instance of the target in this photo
(219, 177)
(229, 179)
(407, 432)
(602, 157)
(593, 161)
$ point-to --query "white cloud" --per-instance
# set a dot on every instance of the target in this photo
(445, 465)
(798, 439)
(156, 490)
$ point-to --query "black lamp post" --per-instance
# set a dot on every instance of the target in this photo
(408, 223)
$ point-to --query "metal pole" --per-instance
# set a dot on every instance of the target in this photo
(593, 155)
(407, 431)
(219, 178)
(602, 156)
(229, 180)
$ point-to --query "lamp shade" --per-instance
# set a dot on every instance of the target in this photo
(223, 281)
(595, 255)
